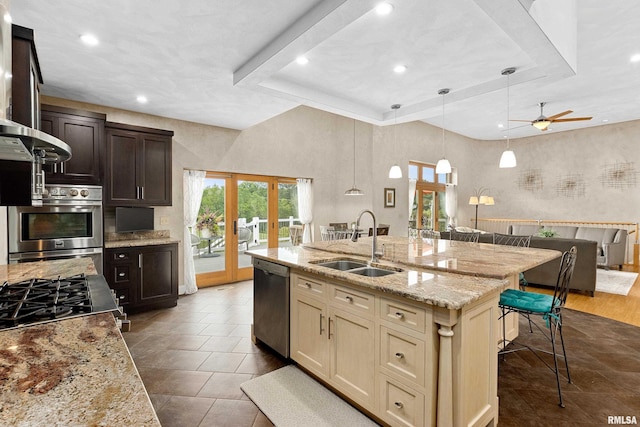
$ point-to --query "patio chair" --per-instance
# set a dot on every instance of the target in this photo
(245, 235)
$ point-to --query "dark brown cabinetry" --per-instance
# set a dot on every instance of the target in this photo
(84, 132)
(138, 167)
(26, 80)
(144, 277)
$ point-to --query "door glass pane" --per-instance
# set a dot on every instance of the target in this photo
(209, 244)
(442, 210)
(252, 218)
(427, 210)
(287, 213)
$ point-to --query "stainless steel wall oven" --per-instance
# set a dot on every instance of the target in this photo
(67, 225)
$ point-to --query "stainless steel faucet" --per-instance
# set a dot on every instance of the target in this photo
(354, 237)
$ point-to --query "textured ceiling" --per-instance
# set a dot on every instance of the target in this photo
(231, 63)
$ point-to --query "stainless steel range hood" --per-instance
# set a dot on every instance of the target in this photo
(20, 143)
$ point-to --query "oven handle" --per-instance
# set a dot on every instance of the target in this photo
(28, 256)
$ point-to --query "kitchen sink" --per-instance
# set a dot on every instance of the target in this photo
(343, 264)
(372, 271)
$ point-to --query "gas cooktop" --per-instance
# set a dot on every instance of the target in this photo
(40, 300)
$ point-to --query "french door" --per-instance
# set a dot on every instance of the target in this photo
(246, 209)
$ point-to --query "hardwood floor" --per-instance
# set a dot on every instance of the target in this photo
(616, 307)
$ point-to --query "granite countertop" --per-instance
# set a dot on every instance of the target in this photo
(76, 371)
(46, 269)
(138, 242)
(436, 272)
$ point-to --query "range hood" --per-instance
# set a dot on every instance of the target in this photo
(21, 143)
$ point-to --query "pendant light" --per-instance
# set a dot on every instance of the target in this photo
(508, 158)
(395, 172)
(354, 191)
(443, 165)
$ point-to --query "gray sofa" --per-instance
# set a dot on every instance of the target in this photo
(611, 242)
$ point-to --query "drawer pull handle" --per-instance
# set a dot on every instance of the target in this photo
(120, 255)
(400, 355)
(120, 274)
(398, 405)
(308, 285)
(121, 297)
(349, 298)
(399, 315)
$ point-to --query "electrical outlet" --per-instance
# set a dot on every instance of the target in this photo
(164, 220)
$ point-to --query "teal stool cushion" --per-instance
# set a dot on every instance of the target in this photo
(526, 301)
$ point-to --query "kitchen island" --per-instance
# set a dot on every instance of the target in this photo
(72, 371)
(414, 347)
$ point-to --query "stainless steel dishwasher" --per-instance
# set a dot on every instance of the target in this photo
(271, 305)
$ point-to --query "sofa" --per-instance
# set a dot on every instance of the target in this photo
(611, 242)
(584, 273)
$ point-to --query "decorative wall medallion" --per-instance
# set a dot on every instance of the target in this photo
(530, 180)
(619, 175)
(571, 185)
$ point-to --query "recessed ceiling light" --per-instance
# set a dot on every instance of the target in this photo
(142, 99)
(635, 58)
(605, 120)
(302, 60)
(7, 18)
(384, 8)
(500, 125)
(89, 39)
(400, 69)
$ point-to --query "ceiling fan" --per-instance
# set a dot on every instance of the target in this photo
(543, 122)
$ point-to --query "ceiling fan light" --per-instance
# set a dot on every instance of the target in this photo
(395, 172)
(508, 159)
(443, 166)
(541, 124)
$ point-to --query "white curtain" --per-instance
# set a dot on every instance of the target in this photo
(451, 203)
(412, 196)
(305, 206)
(193, 187)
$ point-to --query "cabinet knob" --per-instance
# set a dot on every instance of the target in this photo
(399, 315)
(400, 355)
(120, 255)
(398, 405)
(120, 274)
(308, 285)
(349, 298)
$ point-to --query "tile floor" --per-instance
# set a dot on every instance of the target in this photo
(192, 358)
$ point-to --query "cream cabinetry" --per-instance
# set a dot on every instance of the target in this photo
(333, 335)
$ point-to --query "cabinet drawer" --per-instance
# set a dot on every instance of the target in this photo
(120, 255)
(309, 286)
(121, 274)
(353, 300)
(402, 354)
(400, 405)
(123, 295)
(403, 314)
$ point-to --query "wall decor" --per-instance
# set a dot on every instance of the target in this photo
(389, 197)
(619, 175)
(571, 185)
(531, 180)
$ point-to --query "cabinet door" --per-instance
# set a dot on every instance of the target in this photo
(158, 275)
(121, 170)
(85, 137)
(352, 355)
(155, 170)
(308, 341)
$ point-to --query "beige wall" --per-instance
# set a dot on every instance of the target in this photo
(305, 142)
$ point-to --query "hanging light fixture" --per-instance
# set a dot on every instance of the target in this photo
(443, 165)
(354, 191)
(395, 172)
(508, 158)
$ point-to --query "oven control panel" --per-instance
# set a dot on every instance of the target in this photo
(69, 192)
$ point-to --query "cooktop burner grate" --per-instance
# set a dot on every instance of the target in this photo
(37, 300)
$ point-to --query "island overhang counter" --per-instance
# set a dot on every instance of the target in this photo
(416, 347)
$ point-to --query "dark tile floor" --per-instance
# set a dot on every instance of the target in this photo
(192, 359)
